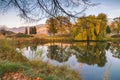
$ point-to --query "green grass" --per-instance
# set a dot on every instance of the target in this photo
(12, 61)
(8, 52)
(54, 72)
(7, 66)
(38, 69)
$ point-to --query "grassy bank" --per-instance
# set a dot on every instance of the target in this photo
(8, 52)
(36, 40)
(38, 69)
(12, 61)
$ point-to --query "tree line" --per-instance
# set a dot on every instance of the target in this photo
(85, 28)
(32, 30)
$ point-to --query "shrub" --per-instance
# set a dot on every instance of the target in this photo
(115, 36)
(8, 52)
(23, 35)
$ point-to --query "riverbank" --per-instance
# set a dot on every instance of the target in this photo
(12, 62)
(35, 70)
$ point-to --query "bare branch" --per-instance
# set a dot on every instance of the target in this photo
(36, 9)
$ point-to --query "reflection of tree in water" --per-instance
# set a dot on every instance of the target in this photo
(33, 47)
(34, 52)
(115, 49)
(108, 46)
(92, 54)
(58, 53)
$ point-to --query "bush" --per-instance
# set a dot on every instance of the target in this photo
(115, 36)
(19, 35)
(8, 52)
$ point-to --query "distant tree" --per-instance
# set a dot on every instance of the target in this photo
(26, 30)
(117, 24)
(33, 30)
(30, 30)
(108, 30)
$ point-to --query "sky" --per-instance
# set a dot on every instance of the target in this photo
(110, 7)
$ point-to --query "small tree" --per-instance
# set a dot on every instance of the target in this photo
(34, 30)
(26, 30)
(108, 30)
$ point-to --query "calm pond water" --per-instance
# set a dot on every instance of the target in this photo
(96, 61)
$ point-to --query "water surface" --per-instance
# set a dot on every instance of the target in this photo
(94, 61)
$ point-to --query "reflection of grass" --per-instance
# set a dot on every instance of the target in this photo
(12, 61)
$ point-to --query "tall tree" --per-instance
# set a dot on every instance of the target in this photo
(52, 25)
(32, 30)
(86, 26)
(64, 24)
(91, 27)
(60, 25)
(26, 30)
(103, 25)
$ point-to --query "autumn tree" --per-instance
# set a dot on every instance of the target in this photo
(52, 25)
(116, 23)
(86, 26)
(64, 24)
(103, 25)
(91, 27)
(60, 25)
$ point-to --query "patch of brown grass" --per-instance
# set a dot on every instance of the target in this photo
(17, 76)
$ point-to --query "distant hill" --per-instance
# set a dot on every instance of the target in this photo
(6, 32)
(17, 30)
(41, 29)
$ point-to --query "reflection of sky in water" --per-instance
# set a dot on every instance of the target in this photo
(115, 66)
(110, 71)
